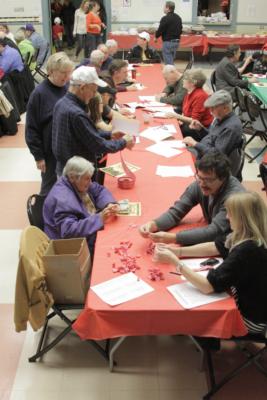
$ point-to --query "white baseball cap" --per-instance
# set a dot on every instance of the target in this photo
(85, 74)
(144, 35)
(57, 20)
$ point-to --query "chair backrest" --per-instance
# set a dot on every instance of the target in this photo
(213, 80)
(263, 174)
(35, 210)
(237, 158)
(240, 95)
(41, 63)
(252, 107)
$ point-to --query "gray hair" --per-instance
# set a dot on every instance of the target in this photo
(169, 68)
(77, 166)
(58, 61)
(195, 76)
(111, 43)
(97, 57)
(19, 36)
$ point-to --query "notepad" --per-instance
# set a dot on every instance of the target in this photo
(162, 150)
(189, 296)
(121, 289)
(158, 133)
(129, 126)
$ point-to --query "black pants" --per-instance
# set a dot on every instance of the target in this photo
(80, 43)
(49, 177)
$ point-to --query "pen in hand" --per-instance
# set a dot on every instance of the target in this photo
(175, 273)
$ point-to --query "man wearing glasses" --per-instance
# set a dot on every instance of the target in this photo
(213, 184)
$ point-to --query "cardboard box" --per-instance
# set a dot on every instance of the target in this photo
(68, 265)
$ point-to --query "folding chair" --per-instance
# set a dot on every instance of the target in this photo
(35, 210)
(32, 280)
(213, 80)
(258, 123)
(240, 95)
(252, 358)
(191, 62)
(263, 173)
(38, 69)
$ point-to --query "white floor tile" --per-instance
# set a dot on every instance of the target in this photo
(9, 249)
(17, 165)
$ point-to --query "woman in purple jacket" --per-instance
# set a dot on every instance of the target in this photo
(76, 206)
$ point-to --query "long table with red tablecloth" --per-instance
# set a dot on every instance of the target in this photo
(158, 312)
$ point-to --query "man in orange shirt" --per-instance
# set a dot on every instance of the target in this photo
(94, 26)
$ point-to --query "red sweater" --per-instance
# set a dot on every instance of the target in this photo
(193, 106)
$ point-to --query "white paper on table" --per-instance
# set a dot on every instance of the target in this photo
(158, 133)
(176, 144)
(139, 86)
(121, 289)
(167, 171)
(165, 151)
(130, 126)
(147, 98)
(194, 263)
(155, 109)
(189, 296)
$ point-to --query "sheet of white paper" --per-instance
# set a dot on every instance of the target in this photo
(190, 297)
(155, 109)
(121, 289)
(134, 105)
(183, 172)
(147, 98)
(130, 126)
(176, 144)
(158, 133)
(194, 263)
(165, 151)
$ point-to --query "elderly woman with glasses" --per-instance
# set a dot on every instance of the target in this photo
(244, 269)
(76, 206)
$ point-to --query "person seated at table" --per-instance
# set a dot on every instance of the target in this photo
(174, 92)
(116, 75)
(96, 110)
(213, 185)
(39, 43)
(26, 48)
(77, 207)
(106, 94)
(112, 47)
(96, 60)
(193, 105)
(260, 62)
(142, 52)
(228, 76)
(107, 59)
(224, 134)
(244, 269)
(10, 58)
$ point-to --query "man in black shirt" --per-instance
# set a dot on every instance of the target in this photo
(170, 29)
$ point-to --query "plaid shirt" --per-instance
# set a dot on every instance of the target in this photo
(73, 133)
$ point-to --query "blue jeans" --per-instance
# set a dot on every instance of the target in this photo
(169, 52)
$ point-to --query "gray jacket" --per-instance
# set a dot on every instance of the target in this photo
(174, 94)
(213, 210)
(227, 76)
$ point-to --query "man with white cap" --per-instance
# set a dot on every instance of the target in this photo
(225, 132)
(142, 52)
(73, 132)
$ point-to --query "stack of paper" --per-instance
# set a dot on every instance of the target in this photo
(189, 296)
(166, 171)
(121, 289)
(147, 98)
(130, 126)
(158, 133)
(161, 149)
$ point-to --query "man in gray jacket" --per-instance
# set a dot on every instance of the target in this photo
(214, 184)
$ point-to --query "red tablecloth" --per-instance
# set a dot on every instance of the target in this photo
(199, 43)
(157, 312)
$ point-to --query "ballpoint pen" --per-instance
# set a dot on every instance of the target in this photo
(175, 273)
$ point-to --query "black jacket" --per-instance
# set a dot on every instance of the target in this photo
(170, 27)
(135, 55)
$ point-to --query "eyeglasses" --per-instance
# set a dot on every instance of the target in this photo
(205, 180)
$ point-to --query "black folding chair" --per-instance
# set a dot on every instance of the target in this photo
(35, 210)
(252, 358)
(213, 80)
(263, 175)
(38, 69)
(240, 95)
(258, 122)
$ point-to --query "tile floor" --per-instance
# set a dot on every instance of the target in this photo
(158, 368)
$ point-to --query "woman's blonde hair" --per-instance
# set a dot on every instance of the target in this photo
(58, 61)
(249, 214)
(83, 3)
